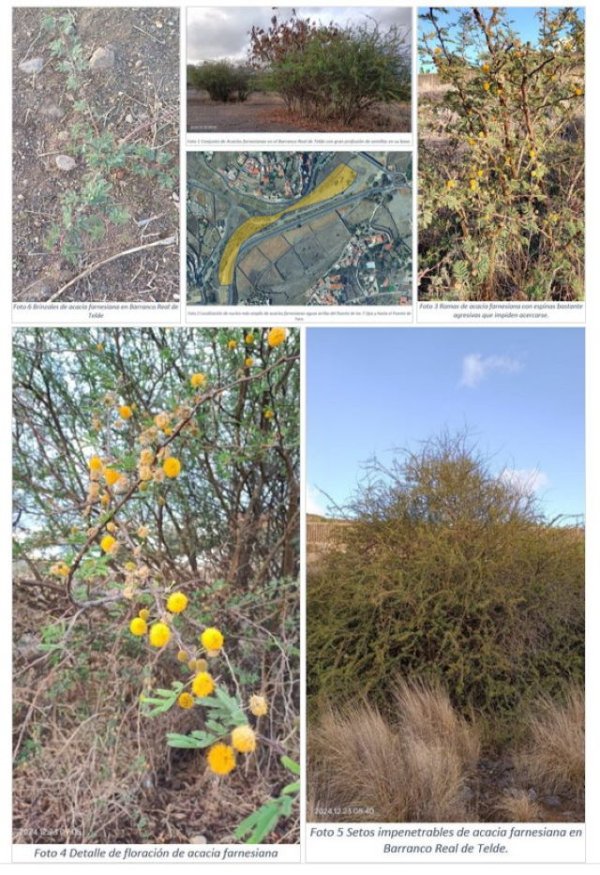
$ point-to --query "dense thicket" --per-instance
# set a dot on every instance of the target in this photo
(448, 572)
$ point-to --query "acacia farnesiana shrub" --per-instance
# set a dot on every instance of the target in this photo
(448, 572)
(501, 157)
(328, 72)
(223, 81)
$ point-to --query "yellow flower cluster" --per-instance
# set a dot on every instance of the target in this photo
(197, 380)
(221, 758)
(203, 684)
(212, 639)
(177, 602)
(276, 336)
(258, 706)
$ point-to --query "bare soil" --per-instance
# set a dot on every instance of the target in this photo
(266, 113)
(138, 102)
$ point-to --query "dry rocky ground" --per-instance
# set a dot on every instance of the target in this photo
(128, 89)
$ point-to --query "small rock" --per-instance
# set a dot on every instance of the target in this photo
(198, 840)
(129, 118)
(65, 162)
(33, 65)
(51, 110)
(102, 59)
(158, 24)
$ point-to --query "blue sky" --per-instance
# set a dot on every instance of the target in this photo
(518, 391)
(523, 20)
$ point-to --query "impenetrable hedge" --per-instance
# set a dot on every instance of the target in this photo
(448, 572)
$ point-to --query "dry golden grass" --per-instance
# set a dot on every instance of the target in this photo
(553, 758)
(517, 807)
(364, 767)
(427, 717)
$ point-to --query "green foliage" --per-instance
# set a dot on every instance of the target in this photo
(501, 157)
(161, 701)
(88, 210)
(331, 73)
(255, 828)
(226, 712)
(449, 573)
(222, 80)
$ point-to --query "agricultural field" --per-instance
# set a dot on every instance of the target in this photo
(314, 70)
(299, 228)
(155, 597)
(95, 154)
(501, 154)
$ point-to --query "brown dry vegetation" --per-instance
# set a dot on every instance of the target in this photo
(423, 762)
(413, 767)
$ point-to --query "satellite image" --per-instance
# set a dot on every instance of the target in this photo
(299, 228)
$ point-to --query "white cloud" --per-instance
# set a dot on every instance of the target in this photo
(526, 479)
(475, 367)
(315, 501)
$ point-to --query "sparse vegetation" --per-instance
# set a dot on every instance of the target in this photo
(501, 157)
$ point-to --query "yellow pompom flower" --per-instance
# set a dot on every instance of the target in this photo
(111, 476)
(197, 380)
(200, 664)
(249, 338)
(192, 665)
(276, 336)
(138, 626)
(243, 739)
(108, 544)
(486, 68)
(177, 602)
(451, 183)
(144, 614)
(161, 420)
(486, 86)
(185, 700)
(474, 185)
(111, 527)
(143, 532)
(105, 499)
(221, 759)
(532, 153)
(95, 463)
(160, 634)
(171, 466)
(125, 411)
(258, 706)
(268, 413)
(203, 684)
(248, 362)
(212, 639)
(232, 344)
(182, 656)
(146, 457)
(60, 569)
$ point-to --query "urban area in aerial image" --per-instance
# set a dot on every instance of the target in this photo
(299, 228)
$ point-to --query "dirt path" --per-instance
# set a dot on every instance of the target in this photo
(266, 113)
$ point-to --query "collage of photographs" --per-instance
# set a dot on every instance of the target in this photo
(299, 435)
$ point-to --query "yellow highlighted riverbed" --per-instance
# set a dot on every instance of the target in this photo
(334, 184)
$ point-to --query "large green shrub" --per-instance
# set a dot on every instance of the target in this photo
(327, 72)
(222, 80)
(449, 572)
